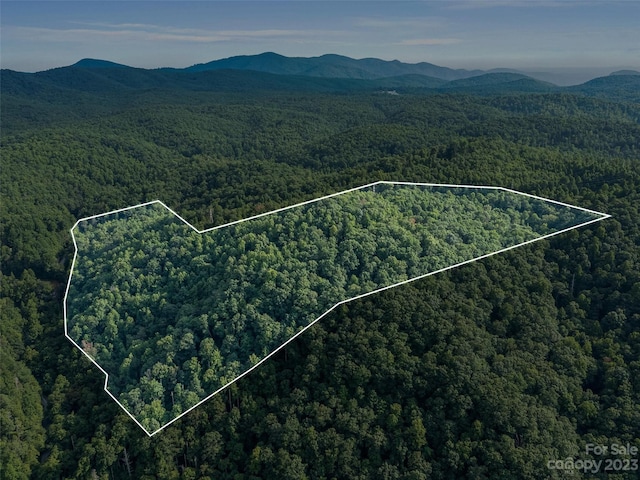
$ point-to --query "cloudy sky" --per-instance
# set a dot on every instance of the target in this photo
(533, 35)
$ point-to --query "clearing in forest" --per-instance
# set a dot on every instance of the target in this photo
(172, 315)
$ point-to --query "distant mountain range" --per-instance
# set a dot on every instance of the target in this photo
(332, 66)
(338, 66)
(327, 73)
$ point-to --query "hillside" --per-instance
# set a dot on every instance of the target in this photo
(286, 269)
(494, 83)
(489, 371)
(619, 87)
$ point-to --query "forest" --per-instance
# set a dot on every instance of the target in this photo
(173, 315)
(486, 371)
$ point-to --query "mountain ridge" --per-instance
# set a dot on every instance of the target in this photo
(332, 66)
(325, 74)
(624, 72)
(97, 63)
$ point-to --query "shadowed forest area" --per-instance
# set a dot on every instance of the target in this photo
(487, 371)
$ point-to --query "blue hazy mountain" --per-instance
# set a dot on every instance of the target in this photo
(625, 72)
(617, 86)
(500, 82)
(267, 71)
(96, 63)
(332, 66)
(89, 78)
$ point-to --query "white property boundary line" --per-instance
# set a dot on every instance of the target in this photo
(602, 216)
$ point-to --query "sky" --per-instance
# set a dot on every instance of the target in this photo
(535, 35)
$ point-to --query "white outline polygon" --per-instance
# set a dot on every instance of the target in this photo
(603, 216)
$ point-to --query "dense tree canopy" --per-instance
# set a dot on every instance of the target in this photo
(489, 371)
(173, 315)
